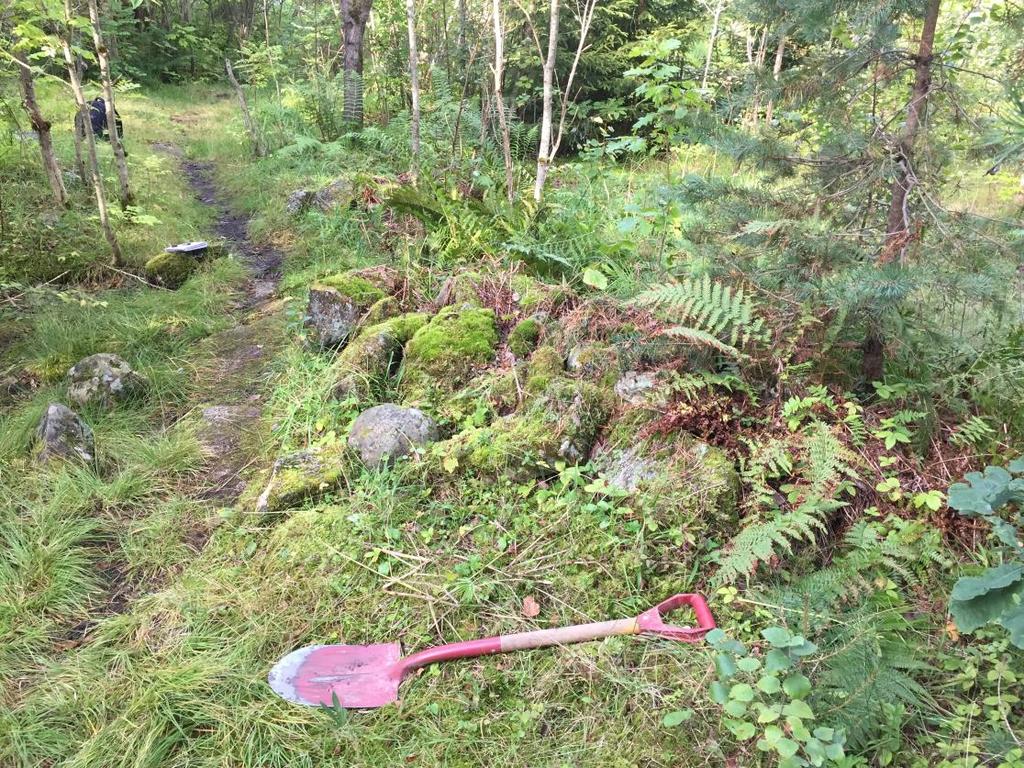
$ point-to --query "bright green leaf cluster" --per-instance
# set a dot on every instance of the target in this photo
(765, 697)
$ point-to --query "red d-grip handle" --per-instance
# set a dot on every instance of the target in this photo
(651, 621)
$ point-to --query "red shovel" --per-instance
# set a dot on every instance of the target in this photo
(367, 676)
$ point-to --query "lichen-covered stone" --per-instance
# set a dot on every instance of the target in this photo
(594, 361)
(103, 379)
(170, 270)
(460, 291)
(639, 388)
(375, 352)
(335, 307)
(338, 194)
(560, 424)
(523, 339)
(387, 432)
(64, 435)
(302, 475)
(677, 480)
(442, 355)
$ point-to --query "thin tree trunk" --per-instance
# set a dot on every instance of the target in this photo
(711, 43)
(90, 144)
(42, 127)
(461, 45)
(897, 227)
(414, 80)
(270, 55)
(499, 98)
(258, 147)
(544, 153)
(125, 190)
(780, 51)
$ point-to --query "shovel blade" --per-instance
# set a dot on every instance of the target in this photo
(361, 676)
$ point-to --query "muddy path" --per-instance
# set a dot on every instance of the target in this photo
(233, 377)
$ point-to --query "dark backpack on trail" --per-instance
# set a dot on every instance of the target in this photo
(98, 118)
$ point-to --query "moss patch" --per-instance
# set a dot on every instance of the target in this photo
(359, 289)
(560, 424)
(522, 340)
(170, 270)
(442, 355)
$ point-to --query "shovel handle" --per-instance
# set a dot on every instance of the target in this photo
(649, 622)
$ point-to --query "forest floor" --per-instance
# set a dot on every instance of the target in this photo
(144, 598)
(209, 595)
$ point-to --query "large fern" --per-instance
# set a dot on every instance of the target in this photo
(709, 313)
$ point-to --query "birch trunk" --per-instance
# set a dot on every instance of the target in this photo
(711, 43)
(90, 146)
(354, 15)
(544, 154)
(42, 127)
(780, 51)
(124, 188)
(414, 81)
(499, 98)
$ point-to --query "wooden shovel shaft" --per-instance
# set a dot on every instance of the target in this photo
(649, 622)
(521, 641)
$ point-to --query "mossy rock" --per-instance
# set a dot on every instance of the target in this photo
(532, 294)
(337, 305)
(523, 339)
(460, 291)
(561, 424)
(679, 480)
(170, 270)
(371, 357)
(443, 354)
(382, 310)
(303, 475)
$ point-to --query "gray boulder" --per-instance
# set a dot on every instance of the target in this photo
(386, 432)
(331, 316)
(103, 379)
(62, 434)
(337, 194)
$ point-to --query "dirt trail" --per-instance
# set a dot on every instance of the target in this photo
(237, 360)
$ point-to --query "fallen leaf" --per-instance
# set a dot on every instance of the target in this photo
(530, 607)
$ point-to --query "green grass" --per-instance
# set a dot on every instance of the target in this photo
(138, 622)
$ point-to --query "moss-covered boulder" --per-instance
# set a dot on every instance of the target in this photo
(562, 423)
(335, 307)
(677, 479)
(305, 474)
(170, 270)
(373, 355)
(443, 354)
(523, 339)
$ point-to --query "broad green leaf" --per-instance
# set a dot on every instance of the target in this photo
(725, 665)
(776, 661)
(798, 709)
(777, 636)
(769, 684)
(786, 747)
(740, 729)
(595, 279)
(735, 708)
(749, 664)
(796, 686)
(742, 692)
(719, 693)
(676, 717)
(767, 714)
